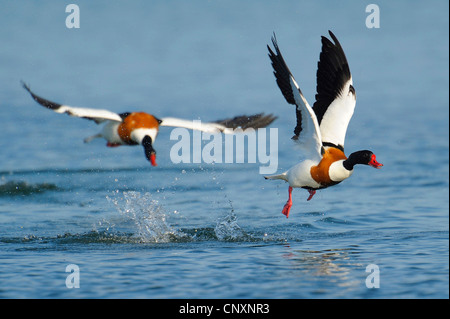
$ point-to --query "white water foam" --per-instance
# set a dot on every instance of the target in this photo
(227, 228)
(148, 217)
(149, 224)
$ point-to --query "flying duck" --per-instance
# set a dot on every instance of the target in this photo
(140, 128)
(320, 130)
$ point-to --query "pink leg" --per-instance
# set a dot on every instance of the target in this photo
(311, 193)
(112, 144)
(288, 205)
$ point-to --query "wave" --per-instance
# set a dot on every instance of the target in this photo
(154, 235)
(194, 168)
(20, 188)
(187, 235)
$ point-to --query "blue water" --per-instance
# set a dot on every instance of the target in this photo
(216, 230)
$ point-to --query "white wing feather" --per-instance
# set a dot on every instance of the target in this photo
(310, 139)
(92, 114)
(95, 114)
(196, 125)
(337, 117)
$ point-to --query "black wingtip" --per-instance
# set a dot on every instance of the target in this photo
(44, 102)
(332, 36)
(275, 43)
(25, 86)
(281, 71)
(332, 73)
(335, 40)
(253, 121)
(274, 39)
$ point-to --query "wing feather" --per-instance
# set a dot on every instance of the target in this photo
(336, 97)
(307, 132)
(96, 115)
(226, 126)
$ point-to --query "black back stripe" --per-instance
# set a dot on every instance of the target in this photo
(124, 115)
(158, 120)
(332, 73)
(328, 144)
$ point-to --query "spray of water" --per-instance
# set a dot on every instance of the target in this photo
(147, 216)
(227, 228)
(149, 224)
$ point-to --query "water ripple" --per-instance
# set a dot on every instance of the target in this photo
(20, 188)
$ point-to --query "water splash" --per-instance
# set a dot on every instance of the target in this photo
(227, 229)
(149, 224)
(147, 216)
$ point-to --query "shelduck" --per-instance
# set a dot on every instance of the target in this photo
(320, 130)
(140, 128)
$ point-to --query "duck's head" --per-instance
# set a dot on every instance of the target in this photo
(364, 157)
(146, 137)
(150, 152)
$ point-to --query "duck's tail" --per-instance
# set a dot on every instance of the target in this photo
(279, 176)
(90, 138)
